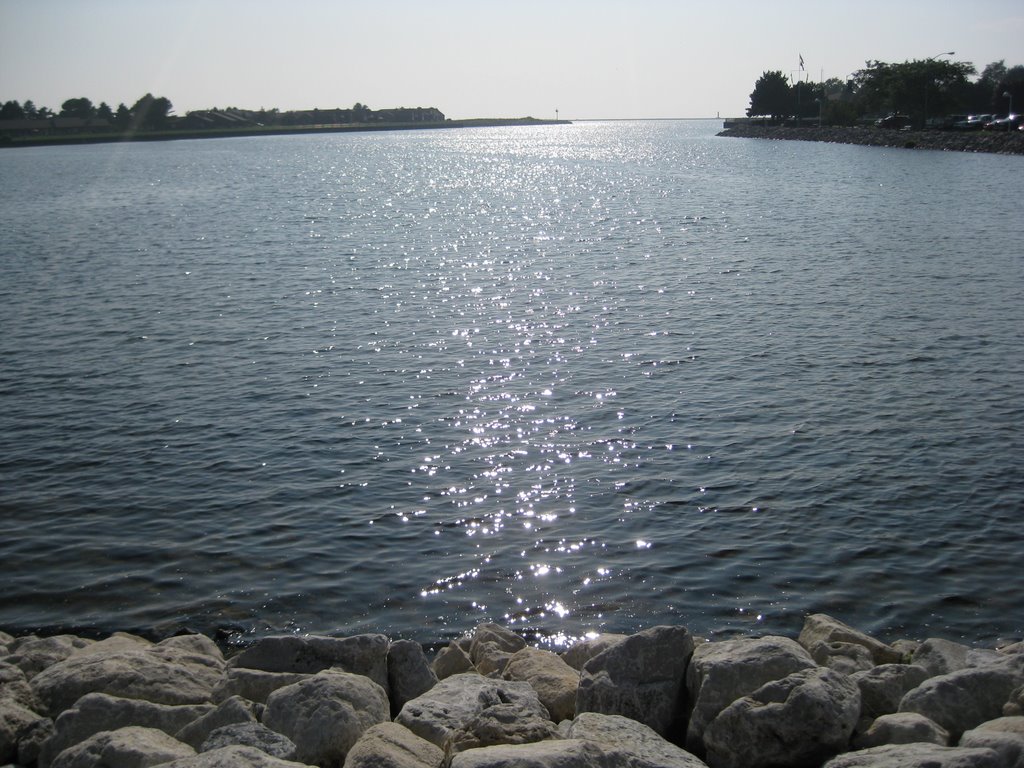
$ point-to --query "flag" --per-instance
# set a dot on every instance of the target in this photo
(801, 61)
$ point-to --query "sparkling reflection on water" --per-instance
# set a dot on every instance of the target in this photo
(592, 377)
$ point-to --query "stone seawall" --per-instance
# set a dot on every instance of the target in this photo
(833, 697)
(1003, 143)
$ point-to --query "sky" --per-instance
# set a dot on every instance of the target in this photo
(587, 59)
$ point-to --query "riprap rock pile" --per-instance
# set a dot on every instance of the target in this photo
(659, 698)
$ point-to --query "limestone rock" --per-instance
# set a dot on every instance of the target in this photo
(560, 753)
(798, 721)
(325, 714)
(641, 678)
(492, 646)
(253, 684)
(1004, 735)
(390, 745)
(940, 657)
(554, 681)
(15, 721)
(409, 674)
(821, 629)
(34, 654)
(722, 672)
(500, 724)
(1015, 704)
(131, 747)
(628, 742)
(962, 700)
(195, 644)
(232, 711)
(452, 660)
(456, 700)
(902, 728)
(916, 756)
(251, 735)
(5, 640)
(883, 687)
(233, 757)
(847, 658)
(14, 686)
(162, 676)
(119, 641)
(360, 654)
(97, 712)
(31, 741)
(583, 651)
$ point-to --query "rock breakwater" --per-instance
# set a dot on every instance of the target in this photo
(660, 698)
(1003, 143)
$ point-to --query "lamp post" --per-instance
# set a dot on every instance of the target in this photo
(1008, 95)
(926, 89)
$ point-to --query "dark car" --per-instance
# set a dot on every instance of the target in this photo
(972, 123)
(895, 120)
(1008, 123)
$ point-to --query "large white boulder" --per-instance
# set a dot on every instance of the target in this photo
(558, 753)
(916, 756)
(233, 757)
(883, 687)
(231, 711)
(902, 728)
(131, 747)
(409, 673)
(325, 714)
(253, 684)
(629, 743)
(500, 724)
(456, 700)
(360, 654)
(547, 673)
(966, 698)
(1004, 735)
(15, 721)
(582, 652)
(250, 735)
(822, 629)
(491, 647)
(722, 672)
(390, 745)
(798, 722)
(642, 678)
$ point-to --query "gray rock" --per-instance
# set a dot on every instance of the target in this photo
(199, 645)
(15, 721)
(409, 674)
(233, 757)
(1015, 704)
(720, 673)
(492, 646)
(251, 735)
(883, 687)
(500, 724)
(390, 745)
(232, 711)
(582, 652)
(629, 743)
(940, 657)
(253, 684)
(561, 753)
(456, 700)
(1017, 647)
(847, 658)
(14, 687)
(98, 712)
(554, 681)
(30, 744)
(798, 721)
(916, 756)
(906, 648)
(365, 655)
(1004, 735)
(641, 678)
(163, 676)
(902, 728)
(5, 640)
(452, 660)
(34, 654)
(821, 629)
(130, 747)
(964, 699)
(325, 714)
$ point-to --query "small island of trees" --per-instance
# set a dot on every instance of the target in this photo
(927, 91)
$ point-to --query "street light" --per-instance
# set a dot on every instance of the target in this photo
(1008, 95)
(932, 58)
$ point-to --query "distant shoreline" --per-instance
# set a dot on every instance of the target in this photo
(298, 130)
(1003, 143)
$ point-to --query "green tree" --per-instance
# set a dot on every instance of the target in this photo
(123, 117)
(772, 96)
(30, 110)
(1012, 84)
(922, 88)
(80, 107)
(360, 112)
(11, 110)
(104, 112)
(150, 113)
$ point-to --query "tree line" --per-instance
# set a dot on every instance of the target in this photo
(149, 112)
(924, 89)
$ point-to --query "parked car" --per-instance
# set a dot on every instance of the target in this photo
(1008, 123)
(972, 123)
(895, 120)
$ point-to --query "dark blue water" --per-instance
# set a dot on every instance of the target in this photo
(575, 378)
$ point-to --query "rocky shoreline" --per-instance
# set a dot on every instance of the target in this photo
(1003, 143)
(660, 698)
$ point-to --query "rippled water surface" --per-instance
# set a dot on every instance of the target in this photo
(569, 378)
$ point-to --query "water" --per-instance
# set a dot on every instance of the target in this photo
(578, 378)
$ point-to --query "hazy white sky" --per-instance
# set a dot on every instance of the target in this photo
(473, 58)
